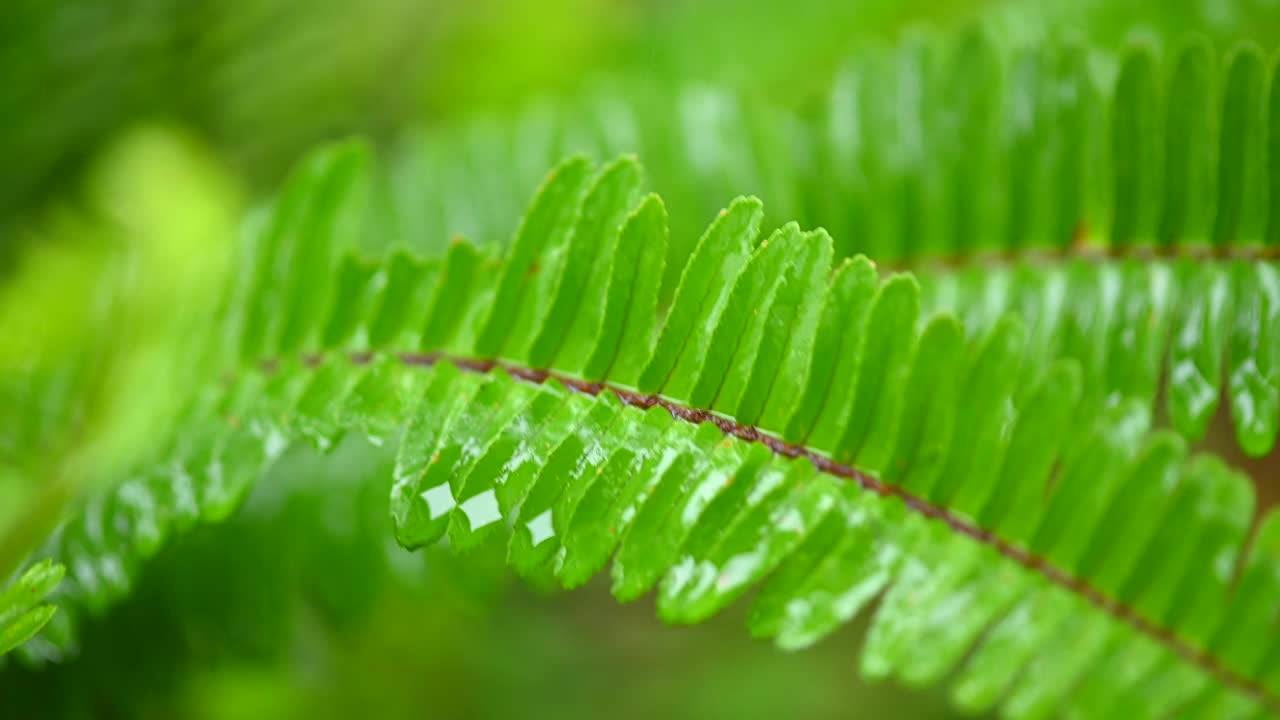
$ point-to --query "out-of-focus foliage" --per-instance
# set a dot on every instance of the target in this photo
(107, 308)
(262, 79)
(985, 158)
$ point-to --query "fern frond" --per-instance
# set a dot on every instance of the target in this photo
(991, 169)
(21, 614)
(787, 420)
(938, 148)
(1196, 337)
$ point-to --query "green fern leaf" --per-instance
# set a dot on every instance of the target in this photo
(998, 172)
(21, 615)
(1022, 537)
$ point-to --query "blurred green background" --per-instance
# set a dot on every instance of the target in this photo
(123, 122)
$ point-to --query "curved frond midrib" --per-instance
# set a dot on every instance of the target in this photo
(1038, 257)
(956, 522)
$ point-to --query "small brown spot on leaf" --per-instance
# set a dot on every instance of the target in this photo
(1080, 234)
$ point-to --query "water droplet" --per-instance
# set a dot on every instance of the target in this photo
(439, 500)
(482, 509)
(540, 528)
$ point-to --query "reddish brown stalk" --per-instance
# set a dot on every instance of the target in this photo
(1086, 252)
(956, 522)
